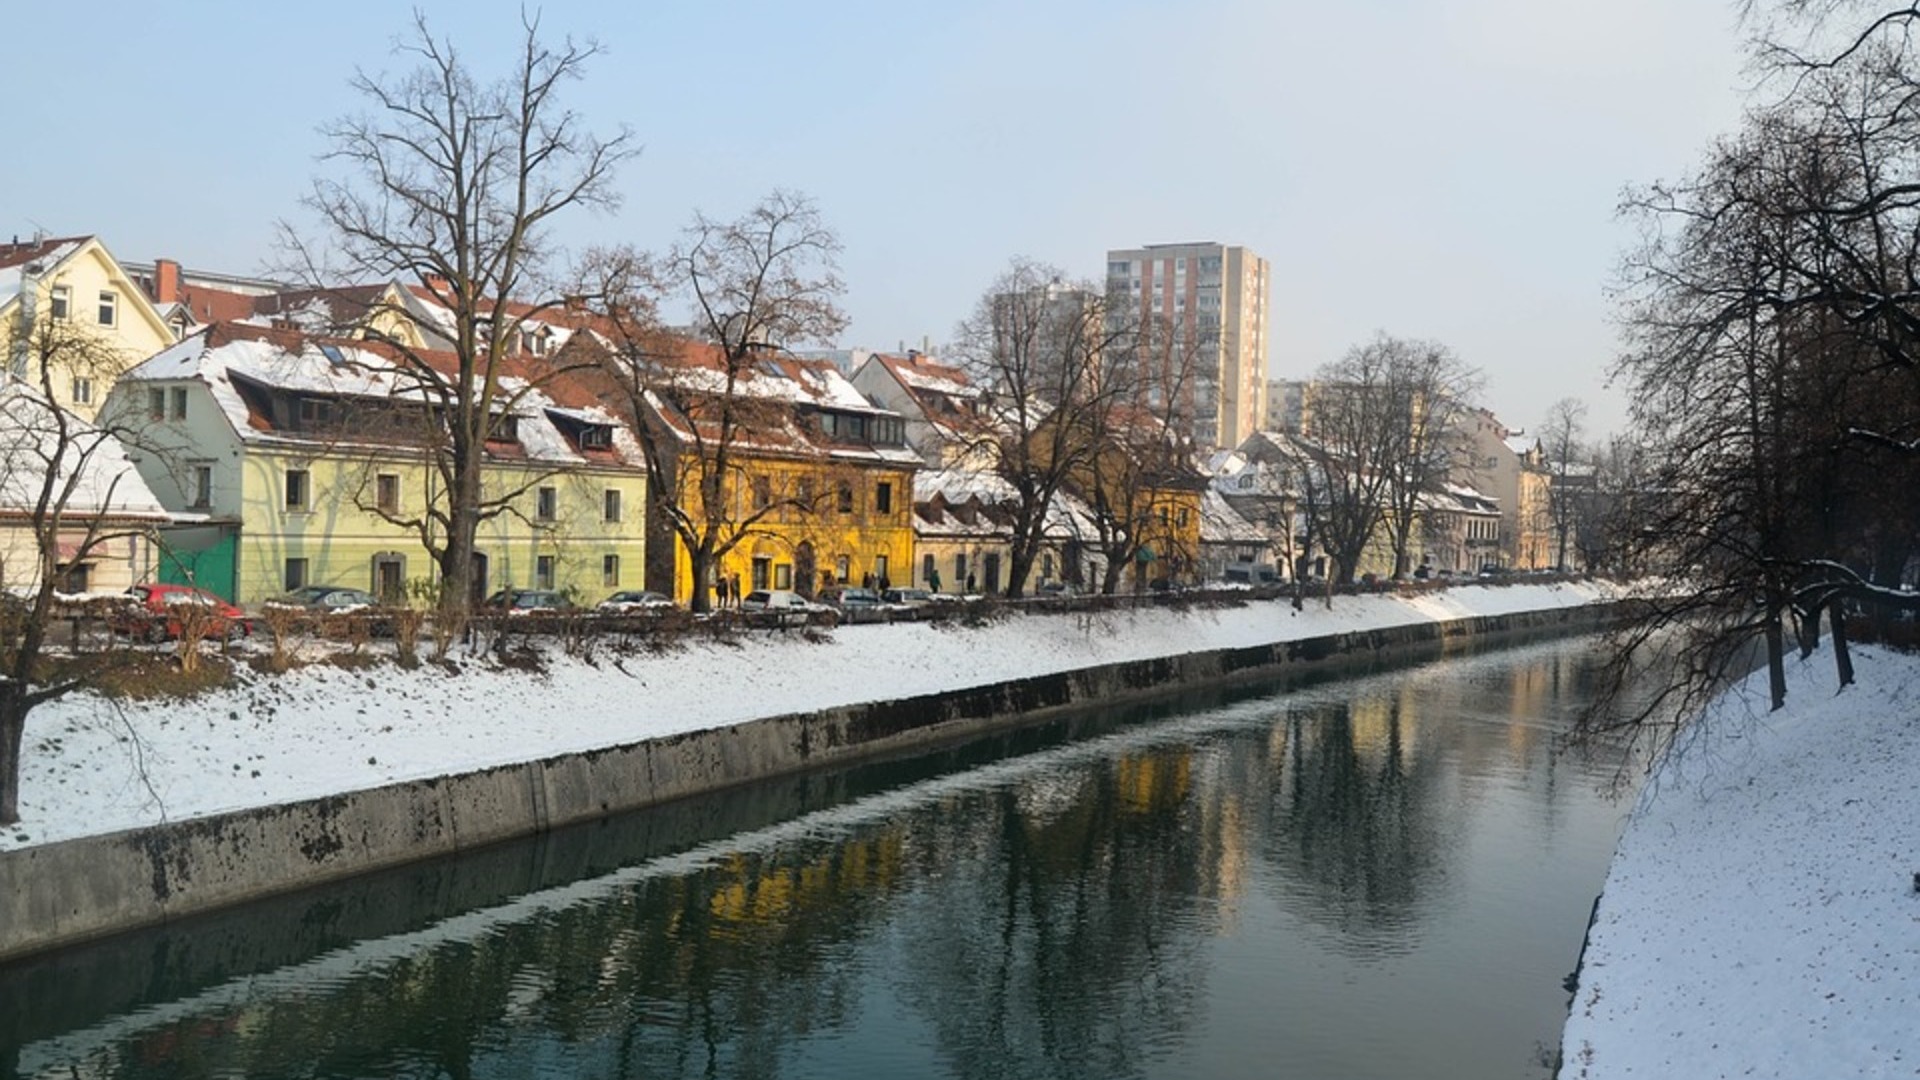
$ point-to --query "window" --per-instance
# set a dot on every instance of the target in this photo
(880, 577)
(610, 505)
(178, 397)
(927, 570)
(296, 574)
(546, 504)
(82, 390)
(109, 307)
(783, 575)
(596, 436)
(386, 492)
(844, 497)
(803, 493)
(842, 566)
(883, 498)
(156, 404)
(610, 571)
(315, 412)
(1181, 517)
(761, 571)
(959, 571)
(762, 492)
(505, 427)
(543, 572)
(60, 302)
(297, 492)
(76, 577)
(202, 486)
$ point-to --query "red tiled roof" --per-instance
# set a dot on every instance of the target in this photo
(20, 252)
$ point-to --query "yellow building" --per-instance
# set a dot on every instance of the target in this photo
(306, 461)
(75, 284)
(816, 481)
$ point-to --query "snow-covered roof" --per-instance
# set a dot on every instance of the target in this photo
(36, 440)
(37, 256)
(1220, 523)
(227, 357)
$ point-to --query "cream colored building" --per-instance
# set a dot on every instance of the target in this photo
(106, 323)
(1216, 295)
(1509, 467)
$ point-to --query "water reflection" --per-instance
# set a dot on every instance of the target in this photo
(1238, 886)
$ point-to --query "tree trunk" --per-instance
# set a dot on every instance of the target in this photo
(1842, 658)
(1776, 661)
(13, 729)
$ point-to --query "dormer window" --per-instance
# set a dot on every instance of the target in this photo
(505, 428)
(596, 437)
(315, 412)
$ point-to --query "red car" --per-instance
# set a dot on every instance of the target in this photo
(154, 613)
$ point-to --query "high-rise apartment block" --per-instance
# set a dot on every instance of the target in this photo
(1213, 297)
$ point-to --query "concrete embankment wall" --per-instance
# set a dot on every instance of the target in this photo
(75, 890)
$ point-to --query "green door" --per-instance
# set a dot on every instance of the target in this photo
(211, 567)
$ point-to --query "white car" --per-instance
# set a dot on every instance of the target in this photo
(779, 600)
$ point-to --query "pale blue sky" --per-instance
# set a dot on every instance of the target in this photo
(1443, 169)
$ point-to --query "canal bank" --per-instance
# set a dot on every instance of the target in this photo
(57, 889)
(1761, 915)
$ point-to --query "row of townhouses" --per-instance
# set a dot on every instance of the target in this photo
(268, 448)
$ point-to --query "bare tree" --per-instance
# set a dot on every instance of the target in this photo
(1141, 456)
(451, 186)
(1567, 494)
(66, 482)
(755, 286)
(1384, 429)
(1050, 353)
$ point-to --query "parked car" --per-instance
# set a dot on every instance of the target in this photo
(630, 600)
(779, 600)
(527, 602)
(1060, 589)
(907, 597)
(848, 597)
(155, 613)
(325, 600)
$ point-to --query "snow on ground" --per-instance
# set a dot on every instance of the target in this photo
(94, 766)
(1762, 914)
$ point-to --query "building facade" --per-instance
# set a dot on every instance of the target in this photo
(1216, 297)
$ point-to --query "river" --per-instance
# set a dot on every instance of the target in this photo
(1386, 876)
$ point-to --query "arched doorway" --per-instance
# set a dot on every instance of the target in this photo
(804, 576)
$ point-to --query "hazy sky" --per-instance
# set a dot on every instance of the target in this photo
(1443, 169)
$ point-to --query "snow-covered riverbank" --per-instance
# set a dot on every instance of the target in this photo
(1762, 915)
(95, 767)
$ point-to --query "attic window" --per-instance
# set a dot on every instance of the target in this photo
(772, 369)
(598, 436)
(333, 355)
(505, 427)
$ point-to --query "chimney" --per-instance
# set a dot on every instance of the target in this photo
(166, 281)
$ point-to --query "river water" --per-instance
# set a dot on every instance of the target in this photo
(1386, 876)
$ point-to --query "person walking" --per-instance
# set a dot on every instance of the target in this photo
(933, 578)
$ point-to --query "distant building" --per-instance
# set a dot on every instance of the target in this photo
(1509, 466)
(1214, 295)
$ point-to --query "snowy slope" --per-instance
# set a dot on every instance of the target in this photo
(94, 766)
(1762, 914)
